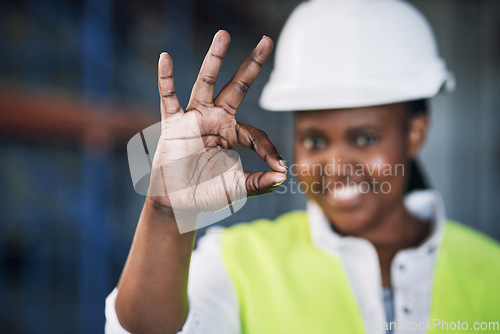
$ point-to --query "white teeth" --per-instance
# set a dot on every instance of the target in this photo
(346, 192)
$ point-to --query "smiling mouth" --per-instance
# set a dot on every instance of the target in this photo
(346, 194)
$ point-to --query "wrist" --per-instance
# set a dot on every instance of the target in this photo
(159, 213)
(155, 206)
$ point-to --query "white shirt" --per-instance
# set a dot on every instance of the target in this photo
(213, 300)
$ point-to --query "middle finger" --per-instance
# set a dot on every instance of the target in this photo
(231, 96)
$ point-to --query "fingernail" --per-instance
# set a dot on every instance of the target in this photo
(280, 180)
(283, 163)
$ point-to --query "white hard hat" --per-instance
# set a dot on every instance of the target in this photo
(354, 53)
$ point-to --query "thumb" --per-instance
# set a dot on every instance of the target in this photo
(259, 183)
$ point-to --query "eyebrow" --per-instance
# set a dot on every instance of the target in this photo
(356, 129)
(362, 128)
(310, 131)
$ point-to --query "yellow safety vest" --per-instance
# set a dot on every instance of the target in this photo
(286, 285)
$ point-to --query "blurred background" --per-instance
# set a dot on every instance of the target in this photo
(78, 80)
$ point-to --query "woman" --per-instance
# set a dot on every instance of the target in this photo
(369, 254)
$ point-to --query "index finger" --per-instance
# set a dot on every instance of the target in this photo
(258, 141)
(231, 96)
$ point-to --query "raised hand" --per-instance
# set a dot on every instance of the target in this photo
(194, 169)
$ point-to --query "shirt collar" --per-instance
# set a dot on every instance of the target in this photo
(424, 204)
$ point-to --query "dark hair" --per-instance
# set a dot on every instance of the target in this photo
(417, 107)
(417, 179)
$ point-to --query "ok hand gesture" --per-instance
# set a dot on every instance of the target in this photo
(194, 169)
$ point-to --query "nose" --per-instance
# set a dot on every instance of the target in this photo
(339, 161)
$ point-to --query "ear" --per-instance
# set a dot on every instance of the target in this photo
(417, 131)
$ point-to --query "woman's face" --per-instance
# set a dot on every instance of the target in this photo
(354, 162)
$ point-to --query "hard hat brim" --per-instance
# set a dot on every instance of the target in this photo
(317, 96)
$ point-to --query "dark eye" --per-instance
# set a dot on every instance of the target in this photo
(314, 143)
(366, 140)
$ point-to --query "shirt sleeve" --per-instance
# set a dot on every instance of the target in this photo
(112, 324)
(213, 305)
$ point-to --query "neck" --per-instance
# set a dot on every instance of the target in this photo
(396, 231)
